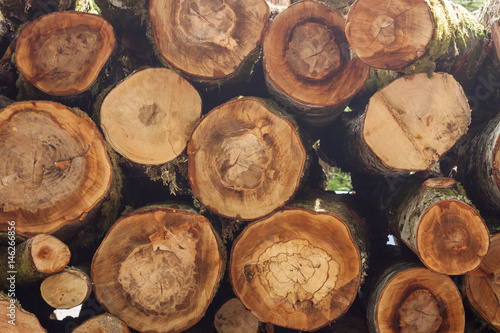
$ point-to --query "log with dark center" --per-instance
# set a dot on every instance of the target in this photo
(244, 160)
(413, 299)
(55, 169)
(307, 62)
(149, 117)
(105, 323)
(158, 269)
(208, 39)
(66, 289)
(62, 53)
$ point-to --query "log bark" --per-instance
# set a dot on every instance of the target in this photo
(56, 172)
(483, 288)
(407, 126)
(208, 40)
(308, 64)
(418, 36)
(105, 323)
(479, 167)
(62, 53)
(408, 298)
(15, 319)
(244, 160)
(233, 317)
(298, 268)
(33, 259)
(66, 289)
(158, 269)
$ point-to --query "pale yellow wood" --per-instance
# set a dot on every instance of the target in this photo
(66, 289)
(49, 254)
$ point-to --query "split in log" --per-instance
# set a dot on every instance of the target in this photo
(148, 118)
(104, 323)
(297, 268)
(62, 53)
(66, 289)
(482, 286)
(15, 319)
(35, 258)
(55, 171)
(407, 298)
(308, 65)
(208, 40)
(244, 160)
(408, 125)
(158, 269)
(233, 317)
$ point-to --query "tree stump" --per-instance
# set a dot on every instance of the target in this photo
(158, 269)
(66, 289)
(408, 298)
(55, 172)
(244, 160)
(297, 268)
(308, 64)
(62, 53)
(105, 323)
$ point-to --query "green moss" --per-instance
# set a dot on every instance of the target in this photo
(171, 173)
(87, 6)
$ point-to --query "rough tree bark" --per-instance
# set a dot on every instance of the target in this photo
(66, 289)
(408, 298)
(56, 172)
(245, 160)
(35, 259)
(407, 126)
(299, 268)
(308, 65)
(158, 269)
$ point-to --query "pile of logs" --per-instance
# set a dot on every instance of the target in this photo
(174, 170)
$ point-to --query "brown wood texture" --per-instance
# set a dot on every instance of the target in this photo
(66, 289)
(233, 317)
(62, 53)
(105, 323)
(495, 36)
(55, 171)
(23, 321)
(48, 254)
(244, 160)
(158, 269)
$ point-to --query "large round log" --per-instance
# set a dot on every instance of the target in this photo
(62, 53)
(55, 171)
(105, 323)
(244, 160)
(308, 64)
(158, 269)
(15, 319)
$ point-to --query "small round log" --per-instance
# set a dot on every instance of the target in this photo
(66, 289)
(105, 323)
(158, 269)
(233, 317)
(55, 171)
(244, 160)
(62, 53)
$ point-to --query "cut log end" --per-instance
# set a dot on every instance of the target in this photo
(21, 321)
(411, 136)
(483, 285)
(452, 238)
(244, 160)
(303, 274)
(389, 35)
(208, 39)
(104, 323)
(62, 53)
(233, 317)
(158, 269)
(439, 182)
(66, 289)
(56, 167)
(149, 117)
(48, 254)
(418, 300)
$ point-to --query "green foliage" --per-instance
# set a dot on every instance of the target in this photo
(471, 5)
(339, 180)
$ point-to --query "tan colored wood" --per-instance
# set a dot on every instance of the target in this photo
(158, 269)
(48, 254)
(233, 317)
(307, 62)
(55, 170)
(483, 285)
(389, 34)
(296, 268)
(62, 53)
(413, 121)
(495, 36)
(244, 160)
(208, 38)
(149, 117)
(105, 323)
(23, 320)
(66, 289)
